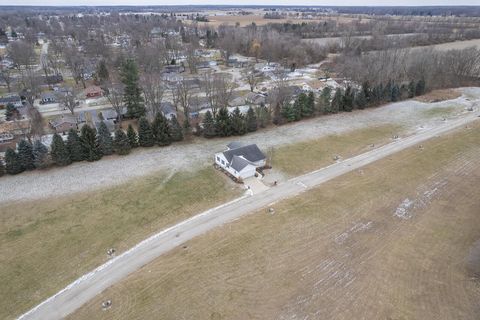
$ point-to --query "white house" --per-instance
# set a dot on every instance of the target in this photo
(241, 161)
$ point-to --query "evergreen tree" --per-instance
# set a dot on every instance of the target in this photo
(298, 107)
(25, 154)
(387, 91)
(347, 99)
(161, 130)
(289, 112)
(263, 115)
(40, 155)
(420, 88)
(360, 100)
(238, 122)
(12, 162)
(411, 89)
(2, 168)
(176, 130)
(395, 93)
(105, 140)
(102, 74)
(90, 144)
(209, 130)
(223, 123)
(337, 100)
(367, 92)
(59, 151)
(132, 93)
(251, 120)
(121, 143)
(132, 136)
(324, 101)
(74, 146)
(11, 112)
(145, 135)
(309, 105)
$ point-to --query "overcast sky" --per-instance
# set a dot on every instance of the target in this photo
(239, 2)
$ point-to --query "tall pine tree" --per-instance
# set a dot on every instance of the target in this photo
(12, 162)
(40, 155)
(74, 146)
(145, 135)
(90, 144)
(209, 130)
(324, 101)
(132, 96)
(161, 130)
(251, 120)
(121, 143)
(176, 130)
(59, 151)
(223, 123)
(348, 97)
(105, 140)
(309, 105)
(25, 154)
(238, 122)
(337, 101)
(132, 136)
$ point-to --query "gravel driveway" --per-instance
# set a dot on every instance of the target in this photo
(115, 170)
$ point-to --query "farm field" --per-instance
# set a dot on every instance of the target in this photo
(259, 20)
(389, 241)
(76, 231)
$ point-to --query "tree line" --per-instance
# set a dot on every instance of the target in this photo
(90, 145)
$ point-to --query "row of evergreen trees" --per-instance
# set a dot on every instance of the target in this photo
(90, 145)
(367, 96)
(224, 124)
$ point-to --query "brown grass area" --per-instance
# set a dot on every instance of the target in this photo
(46, 244)
(299, 158)
(335, 252)
(259, 20)
(439, 95)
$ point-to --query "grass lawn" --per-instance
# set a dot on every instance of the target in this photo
(299, 158)
(335, 252)
(46, 244)
(438, 111)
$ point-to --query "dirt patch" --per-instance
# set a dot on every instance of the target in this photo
(439, 95)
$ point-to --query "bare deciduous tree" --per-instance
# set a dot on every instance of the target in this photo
(153, 89)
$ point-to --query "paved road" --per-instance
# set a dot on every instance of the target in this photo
(93, 283)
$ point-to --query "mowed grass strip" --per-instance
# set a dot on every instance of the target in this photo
(335, 252)
(299, 158)
(46, 244)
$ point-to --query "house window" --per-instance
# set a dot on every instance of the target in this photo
(218, 159)
(223, 162)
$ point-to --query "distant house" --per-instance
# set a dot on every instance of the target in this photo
(241, 161)
(47, 98)
(64, 124)
(93, 92)
(15, 127)
(173, 68)
(168, 110)
(255, 98)
(110, 125)
(13, 99)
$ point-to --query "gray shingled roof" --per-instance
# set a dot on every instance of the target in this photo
(251, 152)
(238, 163)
